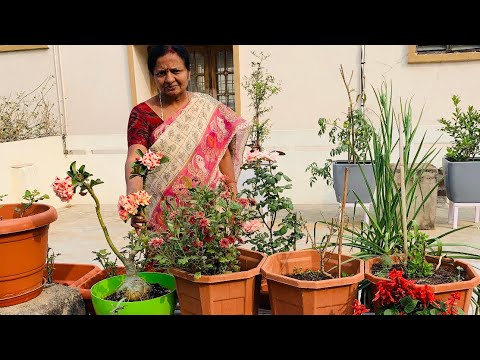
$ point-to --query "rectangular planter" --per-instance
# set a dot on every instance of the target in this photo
(226, 294)
(356, 181)
(461, 180)
(289, 296)
(87, 285)
(75, 275)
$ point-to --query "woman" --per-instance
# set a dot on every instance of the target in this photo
(202, 138)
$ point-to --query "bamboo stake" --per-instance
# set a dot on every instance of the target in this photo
(402, 191)
(342, 216)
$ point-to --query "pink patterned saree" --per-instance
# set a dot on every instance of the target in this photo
(195, 140)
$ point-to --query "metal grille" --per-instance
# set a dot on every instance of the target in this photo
(446, 49)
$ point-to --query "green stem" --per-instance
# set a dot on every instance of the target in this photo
(102, 224)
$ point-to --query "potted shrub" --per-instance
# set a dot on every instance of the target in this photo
(136, 292)
(23, 247)
(462, 162)
(351, 136)
(198, 244)
(266, 186)
(391, 239)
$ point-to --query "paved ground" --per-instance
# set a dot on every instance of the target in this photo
(77, 232)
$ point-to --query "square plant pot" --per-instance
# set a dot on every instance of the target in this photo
(289, 296)
(236, 293)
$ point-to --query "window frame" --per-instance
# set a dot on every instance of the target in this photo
(415, 58)
(6, 48)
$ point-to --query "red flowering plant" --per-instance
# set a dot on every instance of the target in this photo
(399, 296)
(201, 230)
(132, 256)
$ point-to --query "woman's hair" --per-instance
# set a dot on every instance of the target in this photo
(157, 51)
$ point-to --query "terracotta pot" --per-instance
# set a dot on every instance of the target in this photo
(73, 275)
(442, 291)
(226, 294)
(23, 251)
(289, 296)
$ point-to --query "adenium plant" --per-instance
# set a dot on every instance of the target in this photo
(133, 288)
(202, 229)
(266, 185)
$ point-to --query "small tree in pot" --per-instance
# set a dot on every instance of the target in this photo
(461, 163)
(351, 136)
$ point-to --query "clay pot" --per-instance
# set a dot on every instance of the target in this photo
(23, 251)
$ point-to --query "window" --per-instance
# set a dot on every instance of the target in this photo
(442, 53)
(213, 72)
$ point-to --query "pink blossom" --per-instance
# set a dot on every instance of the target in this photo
(204, 223)
(253, 156)
(252, 225)
(244, 202)
(141, 198)
(197, 243)
(151, 159)
(63, 188)
(128, 204)
(272, 156)
(225, 243)
(156, 242)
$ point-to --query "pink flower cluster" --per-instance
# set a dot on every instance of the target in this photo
(258, 155)
(63, 188)
(150, 159)
(156, 242)
(128, 205)
(252, 225)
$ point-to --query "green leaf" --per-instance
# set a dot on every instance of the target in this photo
(197, 275)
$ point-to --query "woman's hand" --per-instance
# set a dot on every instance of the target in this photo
(138, 222)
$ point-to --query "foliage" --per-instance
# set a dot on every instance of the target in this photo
(108, 265)
(266, 185)
(464, 128)
(50, 265)
(417, 264)
(28, 115)
(352, 136)
(384, 233)
(260, 86)
(202, 229)
(399, 296)
(30, 197)
(132, 256)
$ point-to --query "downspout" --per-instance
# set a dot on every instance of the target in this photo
(362, 78)
(62, 109)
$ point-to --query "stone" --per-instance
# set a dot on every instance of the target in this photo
(53, 300)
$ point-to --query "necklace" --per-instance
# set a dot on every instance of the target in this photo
(189, 97)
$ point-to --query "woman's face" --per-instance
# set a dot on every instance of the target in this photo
(170, 74)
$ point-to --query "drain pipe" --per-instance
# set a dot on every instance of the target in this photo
(62, 109)
(362, 78)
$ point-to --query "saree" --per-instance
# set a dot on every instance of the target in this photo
(194, 139)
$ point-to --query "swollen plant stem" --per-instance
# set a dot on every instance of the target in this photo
(104, 228)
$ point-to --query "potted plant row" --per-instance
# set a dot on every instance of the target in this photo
(391, 241)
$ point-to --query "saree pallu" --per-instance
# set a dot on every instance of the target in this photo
(195, 140)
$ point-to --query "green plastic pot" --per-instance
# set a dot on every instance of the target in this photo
(164, 305)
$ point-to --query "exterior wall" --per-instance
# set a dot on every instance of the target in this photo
(95, 83)
(312, 87)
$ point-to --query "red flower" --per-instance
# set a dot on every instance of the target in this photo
(359, 308)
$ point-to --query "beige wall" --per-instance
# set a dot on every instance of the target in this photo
(96, 87)
(312, 87)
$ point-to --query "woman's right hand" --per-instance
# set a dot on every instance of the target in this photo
(137, 222)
